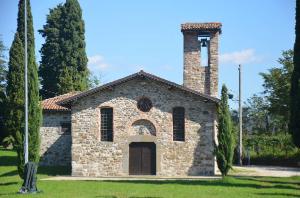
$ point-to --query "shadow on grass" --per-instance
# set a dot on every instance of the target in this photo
(278, 194)
(8, 183)
(107, 196)
(8, 160)
(145, 197)
(112, 196)
(49, 171)
(259, 179)
(230, 182)
(10, 173)
(45, 170)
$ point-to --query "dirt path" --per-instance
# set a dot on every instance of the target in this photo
(272, 171)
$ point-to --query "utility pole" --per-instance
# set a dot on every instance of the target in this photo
(240, 117)
(26, 87)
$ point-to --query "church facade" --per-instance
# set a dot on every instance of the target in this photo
(141, 124)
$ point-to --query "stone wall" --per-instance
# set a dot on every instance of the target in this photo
(55, 146)
(93, 157)
(203, 79)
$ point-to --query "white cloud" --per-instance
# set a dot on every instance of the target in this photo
(240, 57)
(97, 64)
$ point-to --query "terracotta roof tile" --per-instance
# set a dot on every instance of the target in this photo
(51, 103)
(201, 26)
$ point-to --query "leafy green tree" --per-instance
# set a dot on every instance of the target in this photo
(246, 119)
(94, 81)
(277, 87)
(258, 111)
(224, 150)
(3, 72)
(15, 90)
(294, 121)
(63, 53)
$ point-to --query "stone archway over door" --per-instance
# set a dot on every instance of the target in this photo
(142, 158)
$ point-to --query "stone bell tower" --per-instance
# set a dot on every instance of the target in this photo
(201, 42)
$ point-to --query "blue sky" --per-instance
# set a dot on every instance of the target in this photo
(123, 37)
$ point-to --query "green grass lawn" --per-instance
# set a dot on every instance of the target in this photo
(230, 187)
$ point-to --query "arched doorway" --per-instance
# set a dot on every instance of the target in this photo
(142, 158)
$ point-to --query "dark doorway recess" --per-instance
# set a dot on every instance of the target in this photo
(142, 158)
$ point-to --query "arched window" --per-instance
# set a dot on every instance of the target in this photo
(107, 124)
(178, 124)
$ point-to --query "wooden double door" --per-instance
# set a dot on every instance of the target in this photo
(142, 158)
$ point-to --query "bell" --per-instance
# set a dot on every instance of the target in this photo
(204, 42)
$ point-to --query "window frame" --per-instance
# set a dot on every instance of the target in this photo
(175, 127)
(106, 137)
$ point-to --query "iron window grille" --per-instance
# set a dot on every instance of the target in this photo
(144, 104)
(178, 124)
(107, 124)
(65, 128)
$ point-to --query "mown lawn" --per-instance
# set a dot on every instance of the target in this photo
(230, 187)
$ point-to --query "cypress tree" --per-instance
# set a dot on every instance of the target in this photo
(15, 98)
(50, 51)
(65, 78)
(34, 109)
(294, 122)
(63, 53)
(73, 45)
(225, 148)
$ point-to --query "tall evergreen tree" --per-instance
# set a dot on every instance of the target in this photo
(34, 109)
(225, 148)
(294, 123)
(63, 53)
(15, 98)
(50, 51)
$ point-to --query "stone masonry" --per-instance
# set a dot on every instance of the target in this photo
(201, 78)
(89, 156)
(55, 146)
(93, 157)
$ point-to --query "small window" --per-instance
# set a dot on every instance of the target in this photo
(178, 124)
(107, 124)
(65, 128)
(144, 104)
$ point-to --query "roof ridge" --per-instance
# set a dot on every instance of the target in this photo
(129, 77)
(69, 93)
(52, 103)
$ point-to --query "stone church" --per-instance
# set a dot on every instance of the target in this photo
(141, 124)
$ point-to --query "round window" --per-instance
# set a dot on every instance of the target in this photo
(144, 104)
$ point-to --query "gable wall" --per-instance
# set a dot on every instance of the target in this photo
(55, 146)
(92, 157)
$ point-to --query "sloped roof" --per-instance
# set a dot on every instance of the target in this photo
(51, 103)
(141, 74)
(215, 26)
